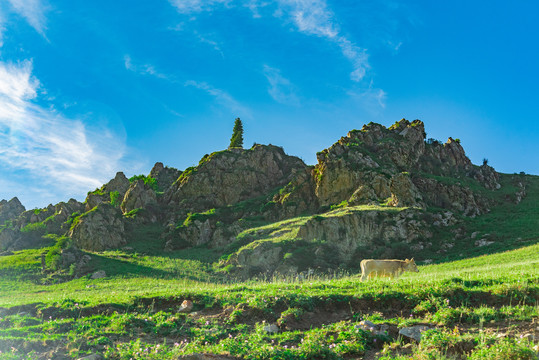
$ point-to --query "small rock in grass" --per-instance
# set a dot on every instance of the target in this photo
(414, 332)
(366, 325)
(92, 357)
(272, 328)
(186, 306)
(98, 275)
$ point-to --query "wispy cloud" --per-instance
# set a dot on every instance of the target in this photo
(281, 90)
(371, 99)
(221, 96)
(143, 69)
(312, 17)
(192, 6)
(67, 155)
(34, 13)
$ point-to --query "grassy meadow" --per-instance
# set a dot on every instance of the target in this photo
(478, 302)
(468, 304)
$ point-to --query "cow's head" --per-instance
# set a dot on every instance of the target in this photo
(409, 265)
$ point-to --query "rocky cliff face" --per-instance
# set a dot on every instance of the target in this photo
(26, 229)
(11, 209)
(340, 238)
(231, 176)
(100, 229)
(376, 165)
(376, 192)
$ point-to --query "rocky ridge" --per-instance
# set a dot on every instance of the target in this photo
(374, 192)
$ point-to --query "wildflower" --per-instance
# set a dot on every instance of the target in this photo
(207, 322)
(176, 344)
(230, 336)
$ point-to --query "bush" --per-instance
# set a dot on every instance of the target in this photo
(148, 181)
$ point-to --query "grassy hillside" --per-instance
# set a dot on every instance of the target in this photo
(467, 302)
(479, 301)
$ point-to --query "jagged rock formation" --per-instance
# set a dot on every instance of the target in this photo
(366, 196)
(230, 176)
(377, 165)
(119, 184)
(26, 230)
(164, 176)
(339, 238)
(99, 229)
(9, 210)
(137, 196)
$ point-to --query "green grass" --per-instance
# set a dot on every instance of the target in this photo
(477, 293)
(109, 315)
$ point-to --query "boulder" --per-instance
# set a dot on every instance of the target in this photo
(9, 210)
(414, 332)
(230, 176)
(100, 274)
(164, 175)
(186, 306)
(271, 329)
(138, 196)
(99, 229)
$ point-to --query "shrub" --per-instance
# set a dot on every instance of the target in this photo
(114, 195)
(148, 181)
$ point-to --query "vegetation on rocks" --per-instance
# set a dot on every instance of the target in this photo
(268, 250)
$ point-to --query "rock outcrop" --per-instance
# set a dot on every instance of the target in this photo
(138, 196)
(228, 177)
(99, 229)
(11, 209)
(164, 175)
(118, 184)
(340, 238)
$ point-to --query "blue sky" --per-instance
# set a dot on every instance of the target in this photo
(91, 88)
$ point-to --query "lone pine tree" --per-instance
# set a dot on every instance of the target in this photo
(237, 135)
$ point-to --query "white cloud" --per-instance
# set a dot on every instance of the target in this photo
(143, 69)
(221, 96)
(370, 99)
(192, 6)
(312, 17)
(34, 13)
(281, 90)
(67, 155)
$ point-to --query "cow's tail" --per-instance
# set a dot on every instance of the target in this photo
(363, 270)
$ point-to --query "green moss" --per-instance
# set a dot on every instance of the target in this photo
(148, 181)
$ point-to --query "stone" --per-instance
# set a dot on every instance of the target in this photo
(186, 306)
(414, 332)
(137, 196)
(100, 229)
(271, 328)
(404, 192)
(92, 357)
(228, 177)
(483, 242)
(10, 210)
(100, 274)
(366, 325)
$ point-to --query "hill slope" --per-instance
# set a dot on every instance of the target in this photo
(376, 192)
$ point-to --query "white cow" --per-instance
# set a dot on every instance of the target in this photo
(391, 268)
